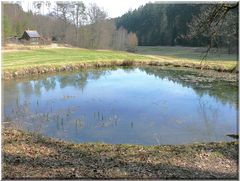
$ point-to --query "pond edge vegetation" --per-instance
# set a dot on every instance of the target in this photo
(44, 69)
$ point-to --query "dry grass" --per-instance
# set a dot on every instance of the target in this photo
(32, 156)
(46, 60)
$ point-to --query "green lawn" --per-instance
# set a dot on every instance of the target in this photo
(61, 56)
(17, 60)
(190, 53)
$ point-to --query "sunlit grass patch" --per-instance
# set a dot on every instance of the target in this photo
(45, 60)
(15, 60)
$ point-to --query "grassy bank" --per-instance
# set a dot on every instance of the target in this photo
(28, 155)
(187, 53)
(44, 60)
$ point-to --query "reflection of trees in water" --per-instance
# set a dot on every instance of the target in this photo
(209, 124)
(27, 87)
(129, 69)
(209, 118)
(10, 92)
(49, 83)
(13, 91)
(224, 91)
(79, 80)
(37, 88)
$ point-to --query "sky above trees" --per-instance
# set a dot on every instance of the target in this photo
(114, 8)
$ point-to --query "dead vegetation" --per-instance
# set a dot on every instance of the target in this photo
(38, 70)
(13, 47)
(31, 156)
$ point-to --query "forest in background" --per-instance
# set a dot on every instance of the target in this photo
(169, 24)
(68, 22)
(88, 26)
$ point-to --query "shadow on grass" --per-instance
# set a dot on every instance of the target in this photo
(70, 162)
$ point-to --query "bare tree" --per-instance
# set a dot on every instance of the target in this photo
(37, 5)
(96, 14)
(78, 16)
(62, 11)
(214, 22)
(48, 5)
(120, 39)
(132, 42)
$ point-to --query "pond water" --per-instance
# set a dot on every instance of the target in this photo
(146, 105)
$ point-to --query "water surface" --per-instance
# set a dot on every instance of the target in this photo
(146, 105)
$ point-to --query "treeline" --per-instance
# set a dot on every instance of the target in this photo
(169, 24)
(68, 22)
(15, 21)
(154, 24)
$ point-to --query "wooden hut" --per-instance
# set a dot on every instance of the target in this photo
(30, 36)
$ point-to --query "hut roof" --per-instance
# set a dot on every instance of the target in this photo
(32, 33)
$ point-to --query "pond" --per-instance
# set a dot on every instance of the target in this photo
(141, 105)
